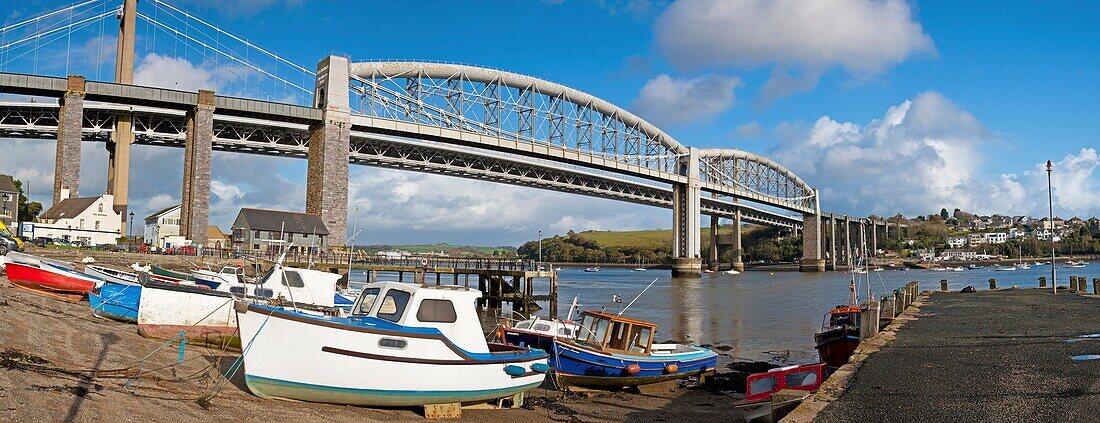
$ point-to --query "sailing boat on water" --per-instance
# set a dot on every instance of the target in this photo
(1022, 265)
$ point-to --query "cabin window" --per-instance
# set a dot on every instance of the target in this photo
(800, 379)
(619, 332)
(293, 279)
(367, 300)
(566, 332)
(393, 305)
(639, 341)
(599, 332)
(437, 311)
(523, 325)
(760, 386)
(542, 327)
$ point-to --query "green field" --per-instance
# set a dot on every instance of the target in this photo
(641, 239)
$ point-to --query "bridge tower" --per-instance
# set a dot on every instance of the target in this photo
(811, 239)
(118, 148)
(329, 146)
(686, 219)
(66, 174)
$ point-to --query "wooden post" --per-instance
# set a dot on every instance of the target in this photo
(992, 283)
(1095, 286)
(894, 304)
(1042, 281)
(868, 325)
(943, 285)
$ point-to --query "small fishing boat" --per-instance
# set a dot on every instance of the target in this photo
(116, 301)
(759, 388)
(839, 334)
(169, 275)
(613, 351)
(112, 275)
(49, 279)
(203, 315)
(403, 345)
(1075, 265)
(221, 280)
(732, 272)
(973, 266)
(540, 333)
(876, 269)
(1004, 268)
(956, 269)
(592, 269)
(640, 269)
(708, 271)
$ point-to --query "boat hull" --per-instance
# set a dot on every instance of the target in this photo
(116, 301)
(835, 346)
(575, 365)
(332, 362)
(202, 315)
(528, 339)
(45, 281)
(111, 275)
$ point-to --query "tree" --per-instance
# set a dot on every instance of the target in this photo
(28, 210)
(944, 214)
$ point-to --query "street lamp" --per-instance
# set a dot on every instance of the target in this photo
(130, 231)
(1050, 203)
(540, 249)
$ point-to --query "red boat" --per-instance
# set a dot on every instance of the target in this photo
(50, 280)
(839, 334)
(759, 388)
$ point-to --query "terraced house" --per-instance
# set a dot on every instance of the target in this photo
(275, 230)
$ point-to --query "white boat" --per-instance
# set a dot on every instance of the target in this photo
(732, 272)
(592, 269)
(206, 315)
(639, 269)
(1004, 268)
(220, 280)
(877, 269)
(973, 266)
(1023, 266)
(956, 269)
(112, 275)
(404, 345)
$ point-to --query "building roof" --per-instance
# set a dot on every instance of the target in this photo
(213, 232)
(69, 207)
(7, 184)
(276, 220)
(163, 212)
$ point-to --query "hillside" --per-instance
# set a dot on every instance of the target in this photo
(652, 238)
(451, 250)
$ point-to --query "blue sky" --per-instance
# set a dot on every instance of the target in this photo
(887, 106)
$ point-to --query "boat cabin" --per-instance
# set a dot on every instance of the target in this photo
(303, 286)
(761, 386)
(450, 309)
(842, 316)
(616, 333)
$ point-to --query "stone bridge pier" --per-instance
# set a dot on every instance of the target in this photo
(812, 260)
(686, 220)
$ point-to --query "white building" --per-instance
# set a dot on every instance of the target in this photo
(976, 239)
(91, 220)
(957, 254)
(161, 225)
(996, 238)
(956, 241)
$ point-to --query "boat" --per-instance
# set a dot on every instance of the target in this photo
(1004, 268)
(116, 301)
(732, 272)
(973, 266)
(708, 271)
(956, 269)
(876, 269)
(1075, 264)
(592, 269)
(112, 275)
(759, 388)
(403, 345)
(205, 315)
(223, 279)
(49, 279)
(613, 351)
(169, 275)
(640, 269)
(1023, 266)
(540, 333)
(839, 334)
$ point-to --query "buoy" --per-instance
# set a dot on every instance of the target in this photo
(671, 368)
(540, 367)
(633, 369)
(514, 370)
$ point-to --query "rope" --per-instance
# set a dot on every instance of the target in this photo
(204, 401)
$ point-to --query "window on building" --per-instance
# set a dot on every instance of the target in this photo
(81, 224)
(438, 311)
(393, 305)
(256, 233)
(101, 207)
(97, 225)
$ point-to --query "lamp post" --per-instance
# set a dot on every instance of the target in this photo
(1050, 204)
(130, 231)
(540, 250)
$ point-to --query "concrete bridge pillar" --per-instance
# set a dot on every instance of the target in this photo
(329, 142)
(738, 263)
(712, 253)
(811, 240)
(874, 238)
(848, 241)
(195, 200)
(686, 223)
(832, 241)
(862, 240)
(66, 172)
(118, 149)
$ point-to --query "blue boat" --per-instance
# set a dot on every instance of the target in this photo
(116, 301)
(613, 351)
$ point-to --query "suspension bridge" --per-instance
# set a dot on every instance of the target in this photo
(443, 118)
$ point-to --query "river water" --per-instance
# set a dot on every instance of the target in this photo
(759, 315)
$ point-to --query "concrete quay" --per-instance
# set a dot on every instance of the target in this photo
(1001, 355)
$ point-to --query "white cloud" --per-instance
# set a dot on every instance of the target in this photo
(801, 39)
(175, 73)
(243, 8)
(749, 130)
(665, 100)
